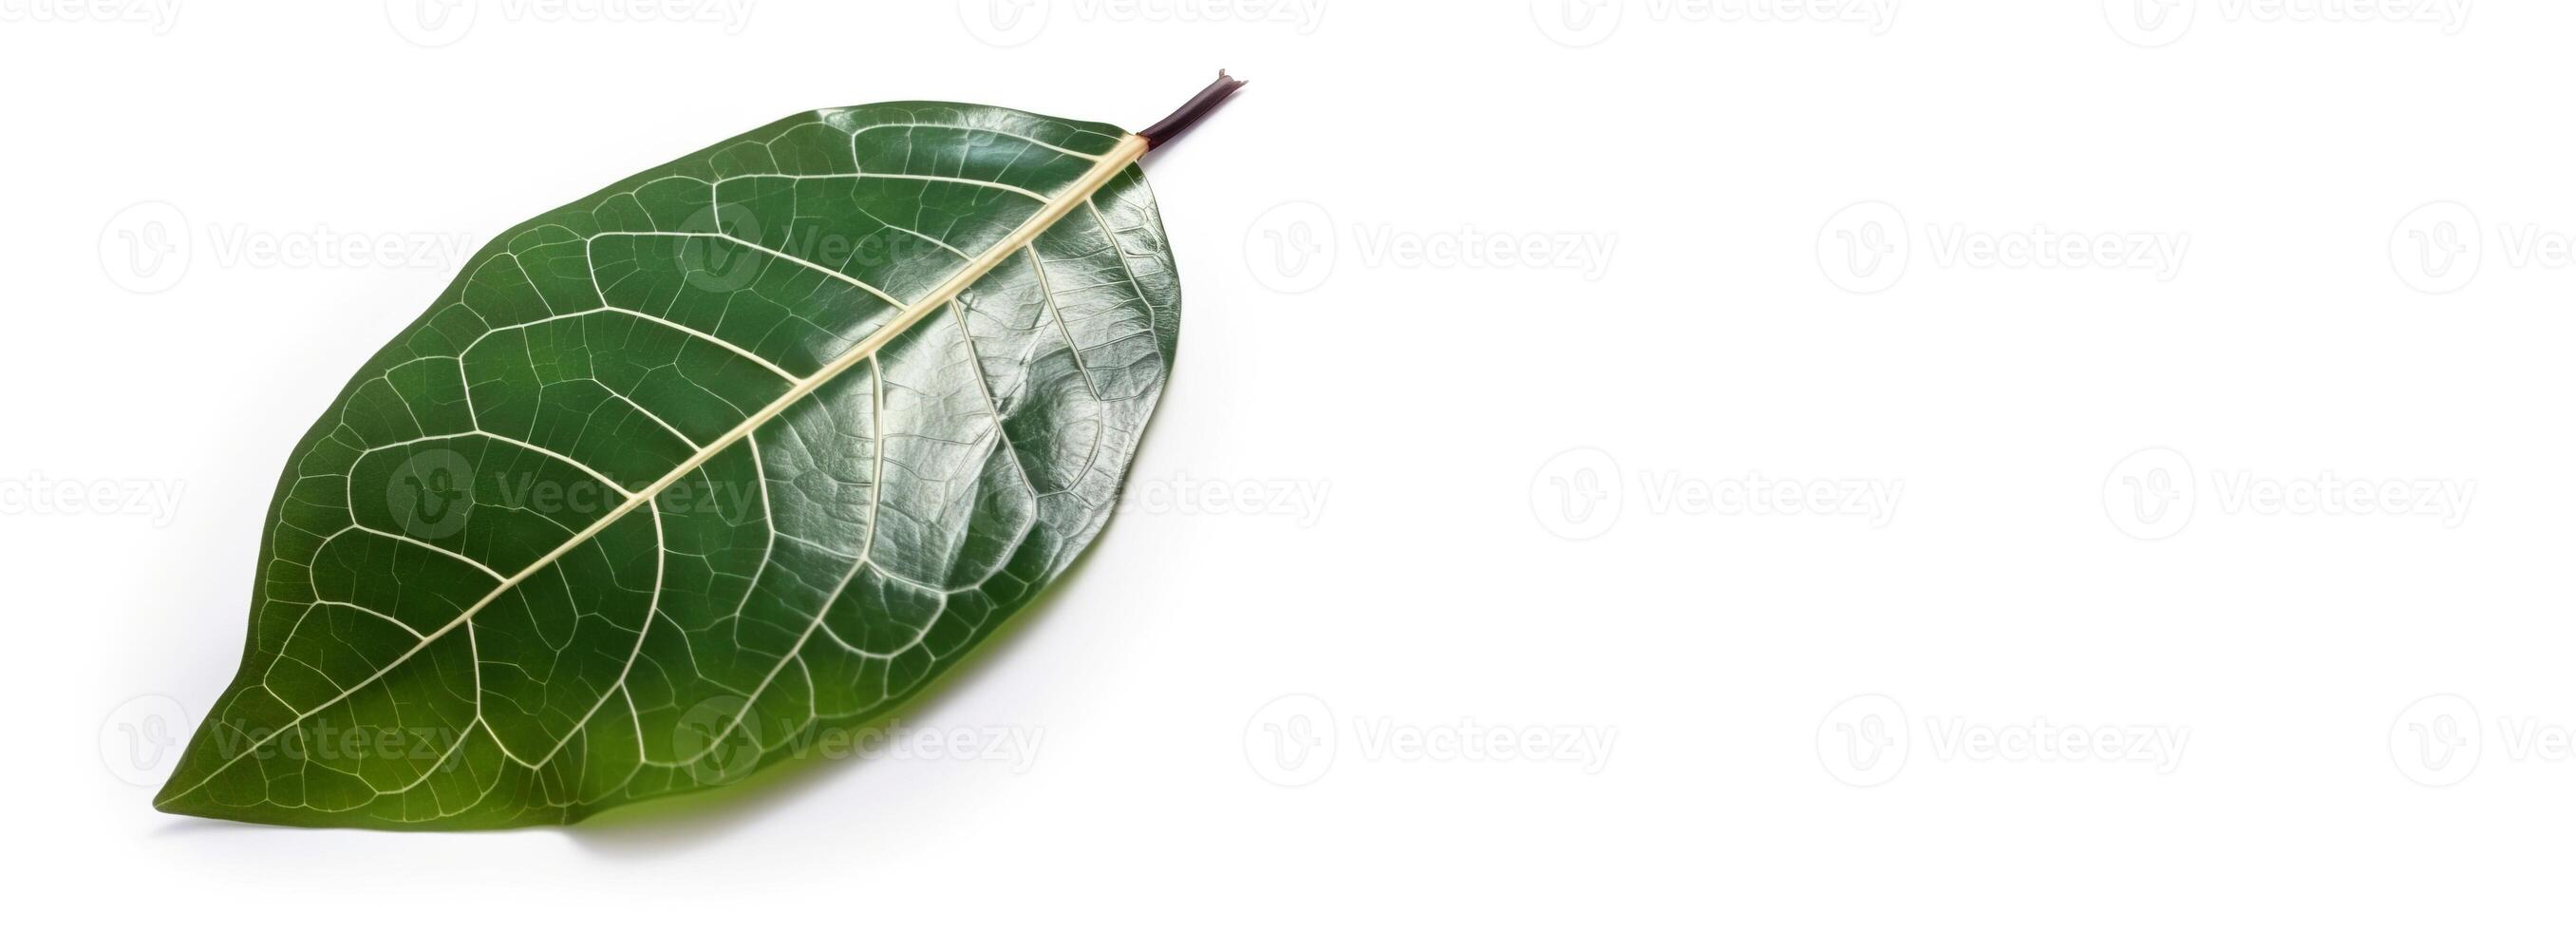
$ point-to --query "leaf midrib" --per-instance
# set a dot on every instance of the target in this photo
(1106, 167)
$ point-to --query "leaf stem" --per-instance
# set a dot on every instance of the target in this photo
(1192, 112)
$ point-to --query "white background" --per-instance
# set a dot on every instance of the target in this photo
(2029, 573)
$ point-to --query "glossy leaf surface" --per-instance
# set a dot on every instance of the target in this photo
(752, 444)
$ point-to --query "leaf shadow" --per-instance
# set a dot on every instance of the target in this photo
(183, 826)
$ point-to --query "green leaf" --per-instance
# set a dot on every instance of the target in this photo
(673, 478)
